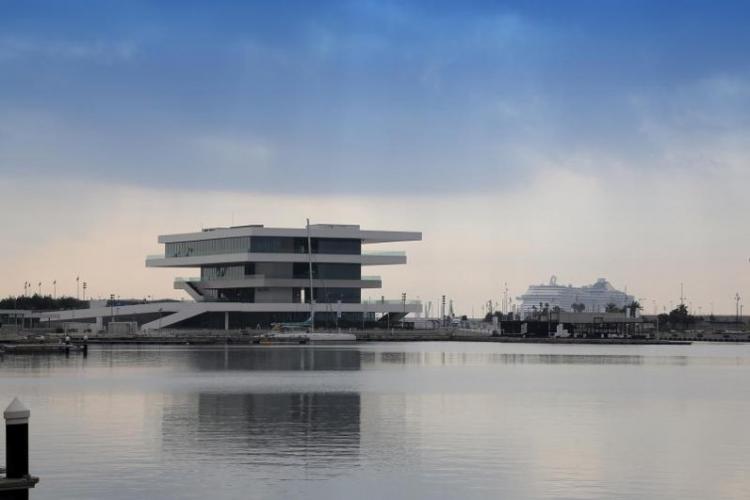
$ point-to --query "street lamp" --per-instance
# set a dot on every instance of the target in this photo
(111, 307)
(737, 299)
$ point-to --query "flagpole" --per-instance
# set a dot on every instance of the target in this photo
(310, 272)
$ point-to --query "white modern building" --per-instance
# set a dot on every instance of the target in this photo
(594, 298)
(248, 276)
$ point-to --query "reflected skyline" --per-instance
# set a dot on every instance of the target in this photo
(262, 358)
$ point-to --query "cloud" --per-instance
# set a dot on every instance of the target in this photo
(700, 125)
(19, 48)
(231, 155)
(579, 227)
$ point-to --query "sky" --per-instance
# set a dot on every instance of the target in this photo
(524, 139)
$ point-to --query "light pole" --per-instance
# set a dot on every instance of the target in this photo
(549, 333)
(657, 327)
(338, 312)
(442, 310)
(310, 272)
(54, 289)
(85, 285)
(737, 305)
(111, 307)
(78, 288)
(363, 318)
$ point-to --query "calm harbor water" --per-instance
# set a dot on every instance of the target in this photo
(391, 420)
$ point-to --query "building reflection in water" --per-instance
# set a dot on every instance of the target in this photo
(276, 359)
(293, 431)
(476, 358)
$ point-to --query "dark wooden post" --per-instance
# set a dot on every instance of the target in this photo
(16, 440)
(17, 481)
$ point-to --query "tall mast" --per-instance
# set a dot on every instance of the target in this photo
(309, 269)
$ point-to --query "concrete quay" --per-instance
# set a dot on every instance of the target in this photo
(240, 337)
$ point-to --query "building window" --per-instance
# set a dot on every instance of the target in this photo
(328, 271)
(207, 247)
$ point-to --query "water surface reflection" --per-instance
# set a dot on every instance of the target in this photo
(309, 430)
(389, 420)
(263, 358)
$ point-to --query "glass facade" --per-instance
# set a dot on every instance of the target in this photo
(333, 295)
(328, 271)
(337, 246)
(300, 270)
(273, 244)
(262, 244)
(236, 294)
(207, 247)
(279, 244)
(275, 270)
(219, 273)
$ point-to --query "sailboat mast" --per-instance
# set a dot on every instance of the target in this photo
(310, 272)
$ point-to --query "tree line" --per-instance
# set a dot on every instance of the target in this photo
(38, 302)
(544, 309)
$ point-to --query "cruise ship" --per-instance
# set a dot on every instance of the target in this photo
(594, 298)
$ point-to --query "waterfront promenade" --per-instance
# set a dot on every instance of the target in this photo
(216, 337)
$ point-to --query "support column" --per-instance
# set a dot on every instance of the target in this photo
(226, 320)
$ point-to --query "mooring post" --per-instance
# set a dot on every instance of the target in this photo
(17, 481)
(16, 440)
